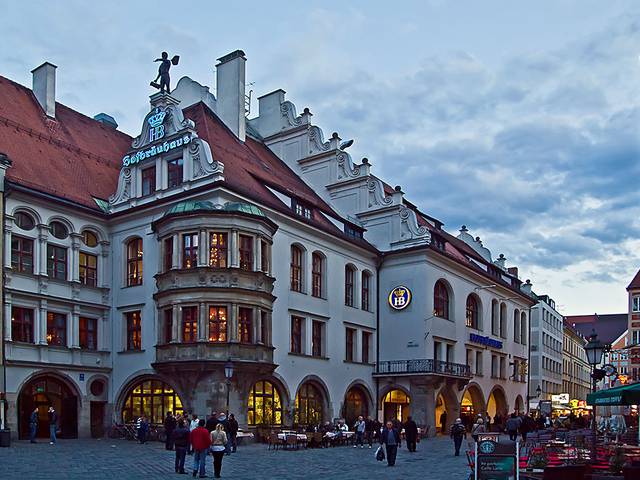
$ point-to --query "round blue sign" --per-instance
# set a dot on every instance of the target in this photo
(400, 297)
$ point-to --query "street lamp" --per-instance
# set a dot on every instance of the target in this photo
(594, 349)
(228, 373)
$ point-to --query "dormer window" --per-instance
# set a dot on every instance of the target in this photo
(301, 209)
(352, 232)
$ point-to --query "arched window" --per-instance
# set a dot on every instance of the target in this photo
(308, 405)
(523, 328)
(89, 238)
(134, 262)
(472, 312)
(503, 320)
(317, 272)
(495, 324)
(264, 405)
(296, 268)
(355, 404)
(152, 398)
(516, 325)
(440, 300)
(58, 230)
(349, 285)
(24, 221)
(366, 291)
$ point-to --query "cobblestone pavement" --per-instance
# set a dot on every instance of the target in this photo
(122, 459)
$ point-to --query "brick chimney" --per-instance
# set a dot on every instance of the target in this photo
(44, 87)
(230, 92)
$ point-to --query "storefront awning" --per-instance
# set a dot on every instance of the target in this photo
(624, 395)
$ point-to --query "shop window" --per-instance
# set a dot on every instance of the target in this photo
(309, 405)
(152, 398)
(264, 406)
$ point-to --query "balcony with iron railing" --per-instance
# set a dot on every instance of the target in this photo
(422, 366)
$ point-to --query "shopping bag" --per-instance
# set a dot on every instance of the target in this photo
(380, 453)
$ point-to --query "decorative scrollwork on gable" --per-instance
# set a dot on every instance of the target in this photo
(316, 139)
(346, 167)
(202, 160)
(410, 227)
(123, 193)
(377, 197)
(288, 111)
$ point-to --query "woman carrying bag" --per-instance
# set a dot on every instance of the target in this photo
(218, 447)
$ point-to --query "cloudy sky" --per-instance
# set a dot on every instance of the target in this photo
(520, 122)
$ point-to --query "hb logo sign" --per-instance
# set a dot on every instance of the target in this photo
(399, 298)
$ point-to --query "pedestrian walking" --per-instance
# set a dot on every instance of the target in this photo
(193, 424)
(169, 427)
(218, 447)
(200, 442)
(53, 425)
(33, 425)
(180, 439)
(143, 428)
(443, 422)
(233, 432)
(222, 419)
(359, 427)
(390, 438)
(212, 421)
(477, 428)
(527, 425)
(376, 428)
(513, 424)
(458, 432)
(411, 434)
(368, 431)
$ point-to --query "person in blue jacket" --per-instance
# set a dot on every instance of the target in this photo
(390, 438)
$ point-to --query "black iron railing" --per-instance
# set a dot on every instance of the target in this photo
(423, 365)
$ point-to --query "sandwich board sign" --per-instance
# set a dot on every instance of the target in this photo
(496, 460)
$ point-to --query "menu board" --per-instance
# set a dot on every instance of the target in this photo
(496, 467)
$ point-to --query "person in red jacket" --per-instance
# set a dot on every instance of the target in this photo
(200, 442)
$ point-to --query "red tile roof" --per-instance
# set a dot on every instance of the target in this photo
(635, 283)
(73, 156)
(608, 326)
(77, 158)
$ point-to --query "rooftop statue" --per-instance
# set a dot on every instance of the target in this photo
(163, 72)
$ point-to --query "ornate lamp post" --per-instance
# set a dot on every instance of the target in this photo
(595, 349)
(228, 373)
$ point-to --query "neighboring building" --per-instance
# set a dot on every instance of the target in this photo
(611, 330)
(576, 371)
(619, 358)
(137, 268)
(633, 325)
(546, 360)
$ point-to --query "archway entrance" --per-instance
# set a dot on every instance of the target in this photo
(42, 393)
(355, 404)
(309, 405)
(497, 403)
(152, 398)
(396, 405)
(471, 405)
(441, 413)
(519, 405)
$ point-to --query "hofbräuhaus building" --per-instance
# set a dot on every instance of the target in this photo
(137, 269)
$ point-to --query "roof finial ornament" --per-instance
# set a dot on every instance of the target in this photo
(163, 72)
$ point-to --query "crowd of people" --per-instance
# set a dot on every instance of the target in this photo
(215, 435)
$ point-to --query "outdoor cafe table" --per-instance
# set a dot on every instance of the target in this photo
(299, 436)
(332, 435)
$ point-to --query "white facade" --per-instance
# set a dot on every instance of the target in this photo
(545, 364)
(299, 306)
